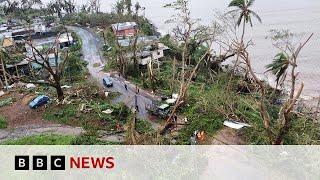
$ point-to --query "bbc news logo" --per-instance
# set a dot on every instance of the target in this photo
(58, 163)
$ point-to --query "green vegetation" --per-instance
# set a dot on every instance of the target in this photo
(86, 110)
(3, 122)
(49, 139)
(208, 107)
(53, 139)
(6, 101)
(90, 140)
(143, 127)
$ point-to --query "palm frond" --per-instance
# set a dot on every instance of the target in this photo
(237, 3)
(250, 3)
(249, 20)
(279, 65)
(232, 12)
(255, 15)
(240, 19)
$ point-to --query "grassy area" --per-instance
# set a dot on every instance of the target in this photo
(90, 140)
(7, 101)
(143, 126)
(49, 139)
(53, 139)
(3, 123)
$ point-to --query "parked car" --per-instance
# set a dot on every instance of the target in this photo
(107, 82)
(39, 101)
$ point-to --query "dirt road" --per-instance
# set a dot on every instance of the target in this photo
(91, 45)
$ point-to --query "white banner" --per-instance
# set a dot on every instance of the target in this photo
(160, 162)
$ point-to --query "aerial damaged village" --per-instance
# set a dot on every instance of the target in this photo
(74, 74)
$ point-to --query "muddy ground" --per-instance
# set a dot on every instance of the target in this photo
(24, 121)
(20, 114)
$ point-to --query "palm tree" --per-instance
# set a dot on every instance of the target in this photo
(245, 13)
(128, 4)
(119, 7)
(137, 7)
(279, 66)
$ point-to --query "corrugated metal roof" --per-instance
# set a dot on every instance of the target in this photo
(124, 26)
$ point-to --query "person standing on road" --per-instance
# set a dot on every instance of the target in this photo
(125, 86)
(136, 102)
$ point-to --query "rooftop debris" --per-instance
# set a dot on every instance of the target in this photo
(171, 101)
(108, 111)
(66, 87)
(30, 86)
(235, 125)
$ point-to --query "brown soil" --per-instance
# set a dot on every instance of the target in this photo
(227, 136)
(19, 114)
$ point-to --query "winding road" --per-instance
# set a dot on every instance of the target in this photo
(91, 45)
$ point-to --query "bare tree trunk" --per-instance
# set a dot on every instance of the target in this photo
(238, 59)
(17, 71)
(4, 73)
(59, 90)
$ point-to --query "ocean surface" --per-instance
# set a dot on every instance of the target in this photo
(302, 17)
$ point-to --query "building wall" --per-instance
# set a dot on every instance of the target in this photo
(126, 32)
(157, 54)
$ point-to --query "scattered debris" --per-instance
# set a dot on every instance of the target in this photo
(1, 93)
(235, 125)
(175, 96)
(108, 111)
(66, 87)
(30, 86)
(82, 106)
(173, 141)
(201, 136)
(171, 101)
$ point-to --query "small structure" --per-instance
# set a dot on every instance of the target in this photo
(152, 51)
(126, 29)
(65, 40)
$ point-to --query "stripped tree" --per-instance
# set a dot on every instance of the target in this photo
(187, 29)
(55, 68)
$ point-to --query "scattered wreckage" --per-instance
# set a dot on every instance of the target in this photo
(162, 110)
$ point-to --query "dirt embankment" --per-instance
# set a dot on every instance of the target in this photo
(19, 114)
(23, 121)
